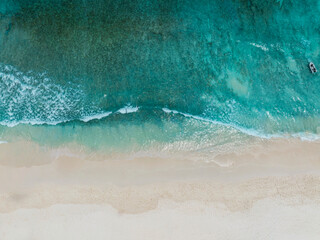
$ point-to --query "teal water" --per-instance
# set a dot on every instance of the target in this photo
(224, 66)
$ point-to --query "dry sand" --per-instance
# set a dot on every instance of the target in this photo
(267, 190)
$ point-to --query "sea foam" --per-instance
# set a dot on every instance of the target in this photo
(34, 98)
(252, 132)
(128, 109)
(95, 117)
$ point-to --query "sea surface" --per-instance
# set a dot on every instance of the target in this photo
(172, 74)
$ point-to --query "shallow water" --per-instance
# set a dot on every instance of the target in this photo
(216, 63)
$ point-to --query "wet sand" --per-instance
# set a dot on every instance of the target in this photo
(267, 190)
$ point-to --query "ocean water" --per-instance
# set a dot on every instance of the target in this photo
(171, 74)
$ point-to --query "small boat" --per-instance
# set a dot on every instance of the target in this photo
(312, 67)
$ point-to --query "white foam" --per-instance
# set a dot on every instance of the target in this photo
(96, 117)
(251, 132)
(262, 47)
(247, 131)
(31, 122)
(2, 142)
(166, 110)
(36, 98)
(307, 136)
(125, 110)
(128, 109)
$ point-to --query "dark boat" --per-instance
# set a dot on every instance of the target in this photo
(312, 67)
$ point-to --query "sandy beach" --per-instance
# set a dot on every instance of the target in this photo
(159, 120)
(267, 190)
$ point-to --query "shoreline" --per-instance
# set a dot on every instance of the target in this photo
(270, 178)
(26, 166)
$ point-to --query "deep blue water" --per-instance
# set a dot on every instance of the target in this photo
(216, 62)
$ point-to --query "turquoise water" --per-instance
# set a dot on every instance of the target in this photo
(229, 69)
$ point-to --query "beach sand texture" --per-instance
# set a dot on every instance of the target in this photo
(268, 190)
